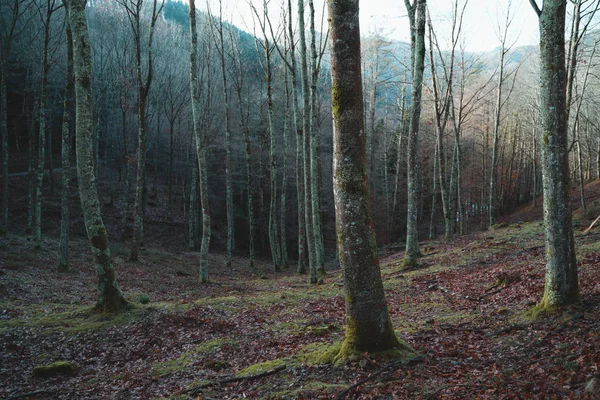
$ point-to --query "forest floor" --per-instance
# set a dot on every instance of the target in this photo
(256, 334)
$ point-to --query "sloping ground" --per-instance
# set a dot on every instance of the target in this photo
(466, 309)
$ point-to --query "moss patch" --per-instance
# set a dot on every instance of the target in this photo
(54, 369)
(262, 367)
(186, 359)
(70, 318)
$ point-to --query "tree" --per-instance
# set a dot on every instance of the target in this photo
(268, 48)
(63, 264)
(561, 286)
(50, 8)
(200, 145)
(416, 16)
(110, 298)
(368, 324)
(144, 82)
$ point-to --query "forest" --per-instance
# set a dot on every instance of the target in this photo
(294, 208)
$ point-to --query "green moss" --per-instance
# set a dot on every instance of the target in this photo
(69, 318)
(186, 359)
(262, 367)
(54, 369)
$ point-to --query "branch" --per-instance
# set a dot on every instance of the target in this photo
(536, 8)
(195, 390)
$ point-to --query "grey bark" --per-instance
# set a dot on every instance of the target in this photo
(314, 147)
(65, 220)
(144, 83)
(561, 283)
(200, 145)
(308, 211)
(110, 298)
(416, 13)
(368, 324)
(37, 226)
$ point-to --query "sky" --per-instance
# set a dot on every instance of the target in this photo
(389, 18)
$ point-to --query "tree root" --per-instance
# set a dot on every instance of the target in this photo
(390, 367)
(196, 390)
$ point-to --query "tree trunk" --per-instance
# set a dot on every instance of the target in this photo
(417, 23)
(65, 220)
(314, 147)
(228, 179)
(561, 287)
(200, 145)
(4, 134)
(110, 298)
(302, 247)
(42, 131)
(308, 214)
(368, 324)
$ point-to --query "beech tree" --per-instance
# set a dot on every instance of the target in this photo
(416, 16)
(200, 145)
(110, 298)
(368, 324)
(65, 220)
(561, 286)
(144, 82)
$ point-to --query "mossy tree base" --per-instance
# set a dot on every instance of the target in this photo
(345, 352)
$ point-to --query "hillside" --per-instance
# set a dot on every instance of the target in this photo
(466, 311)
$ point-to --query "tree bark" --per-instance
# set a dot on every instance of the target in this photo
(65, 220)
(308, 211)
(200, 145)
(416, 13)
(561, 286)
(368, 325)
(110, 298)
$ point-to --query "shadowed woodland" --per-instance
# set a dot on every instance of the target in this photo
(193, 209)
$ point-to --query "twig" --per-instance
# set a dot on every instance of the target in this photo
(25, 395)
(591, 225)
(390, 367)
(195, 390)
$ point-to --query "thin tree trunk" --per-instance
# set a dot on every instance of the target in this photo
(417, 23)
(65, 220)
(110, 298)
(200, 145)
(42, 129)
(308, 214)
(302, 246)
(314, 148)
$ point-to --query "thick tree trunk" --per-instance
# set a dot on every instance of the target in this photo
(200, 145)
(368, 324)
(110, 298)
(65, 220)
(417, 22)
(561, 287)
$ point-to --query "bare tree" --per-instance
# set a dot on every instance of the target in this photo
(368, 324)
(110, 298)
(200, 145)
(416, 16)
(561, 287)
